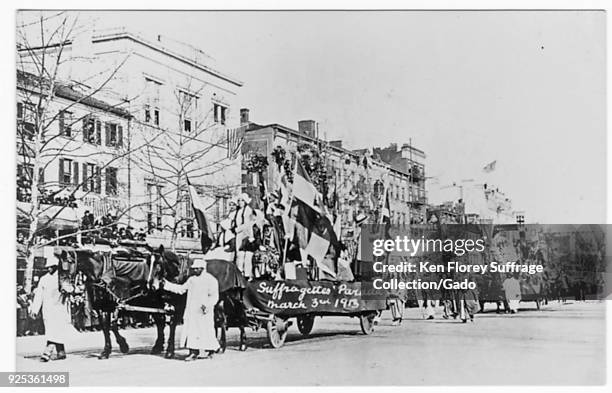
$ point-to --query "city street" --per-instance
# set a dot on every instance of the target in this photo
(562, 344)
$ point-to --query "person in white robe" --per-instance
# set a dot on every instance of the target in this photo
(198, 333)
(49, 298)
(512, 289)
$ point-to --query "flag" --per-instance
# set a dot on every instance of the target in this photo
(235, 137)
(206, 237)
(304, 189)
(313, 228)
(385, 214)
(490, 167)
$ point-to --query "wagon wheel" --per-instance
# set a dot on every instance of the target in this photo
(367, 322)
(222, 337)
(277, 332)
(305, 323)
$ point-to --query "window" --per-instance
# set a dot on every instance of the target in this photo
(151, 108)
(188, 104)
(24, 182)
(68, 168)
(154, 207)
(26, 120)
(114, 135)
(65, 123)
(111, 181)
(187, 218)
(92, 130)
(219, 113)
(89, 177)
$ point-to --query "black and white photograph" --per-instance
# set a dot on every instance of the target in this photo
(308, 197)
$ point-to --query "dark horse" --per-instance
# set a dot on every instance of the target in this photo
(230, 311)
(112, 284)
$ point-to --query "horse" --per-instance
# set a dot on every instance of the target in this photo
(230, 310)
(110, 282)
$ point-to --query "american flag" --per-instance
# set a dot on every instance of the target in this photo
(235, 137)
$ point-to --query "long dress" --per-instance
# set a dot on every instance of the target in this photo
(199, 327)
(512, 288)
(56, 316)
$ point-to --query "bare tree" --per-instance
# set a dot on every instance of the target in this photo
(193, 151)
(48, 128)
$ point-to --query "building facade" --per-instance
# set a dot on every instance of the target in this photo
(355, 177)
(182, 108)
(79, 157)
(408, 159)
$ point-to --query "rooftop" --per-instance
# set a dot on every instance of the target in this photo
(63, 89)
(179, 50)
(352, 153)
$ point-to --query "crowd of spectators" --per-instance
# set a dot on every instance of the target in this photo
(106, 227)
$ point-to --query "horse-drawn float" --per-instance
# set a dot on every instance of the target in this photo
(124, 279)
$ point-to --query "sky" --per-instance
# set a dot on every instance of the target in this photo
(524, 88)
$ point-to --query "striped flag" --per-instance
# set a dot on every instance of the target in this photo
(303, 189)
(385, 214)
(314, 230)
(199, 208)
(235, 137)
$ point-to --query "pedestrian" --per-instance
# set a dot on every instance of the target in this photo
(198, 332)
(56, 316)
(22, 311)
(512, 289)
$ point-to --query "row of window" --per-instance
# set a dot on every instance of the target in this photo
(92, 127)
(92, 131)
(91, 178)
(400, 194)
(188, 104)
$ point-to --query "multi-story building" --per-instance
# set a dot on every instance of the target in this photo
(358, 179)
(79, 155)
(182, 107)
(408, 159)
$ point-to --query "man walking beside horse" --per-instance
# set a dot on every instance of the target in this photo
(52, 300)
(198, 332)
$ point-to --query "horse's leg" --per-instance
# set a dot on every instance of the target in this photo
(123, 345)
(105, 324)
(243, 342)
(171, 335)
(160, 323)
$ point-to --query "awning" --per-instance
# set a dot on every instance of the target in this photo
(50, 217)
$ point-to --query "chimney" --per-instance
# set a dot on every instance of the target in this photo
(244, 116)
(307, 127)
(337, 143)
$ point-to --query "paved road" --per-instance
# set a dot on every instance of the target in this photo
(560, 345)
